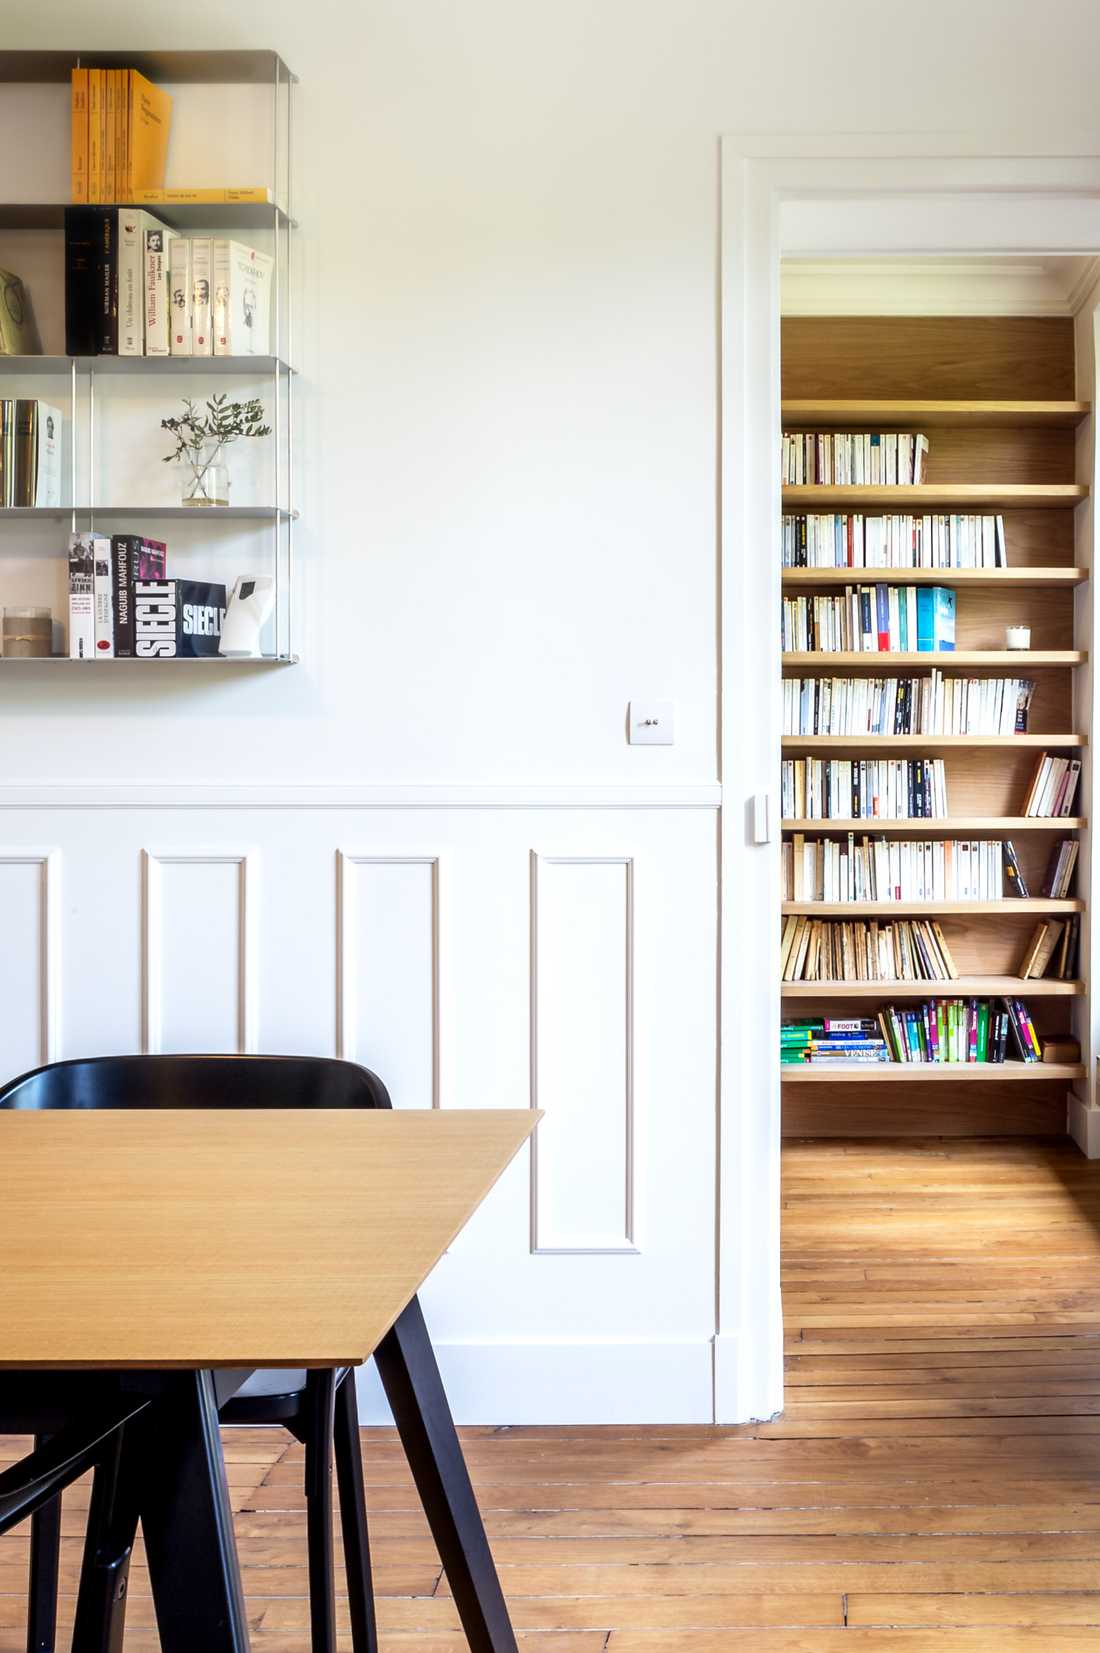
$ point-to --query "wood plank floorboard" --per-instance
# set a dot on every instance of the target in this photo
(932, 1487)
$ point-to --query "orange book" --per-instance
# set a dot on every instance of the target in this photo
(124, 137)
(110, 145)
(150, 111)
(96, 127)
(80, 135)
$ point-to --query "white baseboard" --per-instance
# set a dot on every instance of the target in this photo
(1083, 1125)
(566, 1383)
(748, 1378)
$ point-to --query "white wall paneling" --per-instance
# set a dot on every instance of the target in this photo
(391, 980)
(582, 1053)
(199, 952)
(30, 957)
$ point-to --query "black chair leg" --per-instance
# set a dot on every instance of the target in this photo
(45, 1560)
(353, 1519)
(407, 1366)
(108, 1546)
(318, 1434)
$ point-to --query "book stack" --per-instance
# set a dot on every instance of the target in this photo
(855, 1039)
(884, 869)
(850, 540)
(122, 605)
(872, 619)
(960, 1031)
(30, 454)
(889, 789)
(120, 127)
(864, 950)
(844, 458)
(1053, 787)
(133, 287)
(932, 705)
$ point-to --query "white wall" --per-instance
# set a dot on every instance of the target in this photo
(509, 400)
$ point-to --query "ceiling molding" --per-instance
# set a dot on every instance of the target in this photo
(997, 285)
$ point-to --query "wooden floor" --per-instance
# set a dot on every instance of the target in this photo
(933, 1485)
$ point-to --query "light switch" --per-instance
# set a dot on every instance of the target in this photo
(651, 723)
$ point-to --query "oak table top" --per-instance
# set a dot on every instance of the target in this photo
(168, 1238)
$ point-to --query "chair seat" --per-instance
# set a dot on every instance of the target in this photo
(277, 1381)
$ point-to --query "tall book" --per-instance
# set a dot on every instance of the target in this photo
(79, 102)
(26, 444)
(81, 597)
(103, 593)
(106, 276)
(18, 334)
(158, 325)
(133, 227)
(150, 118)
(97, 134)
(242, 299)
(202, 286)
(182, 299)
(110, 147)
(81, 246)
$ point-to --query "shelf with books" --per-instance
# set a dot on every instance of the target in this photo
(905, 414)
(62, 366)
(923, 826)
(973, 578)
(922, 497)
(987, 659)
(884, 909)
(930, 1073)
(927, 743)
(965, 987)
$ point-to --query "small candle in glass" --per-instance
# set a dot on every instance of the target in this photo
(27, 633)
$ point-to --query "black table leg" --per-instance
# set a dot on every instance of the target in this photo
(108, 1546)
(318, 1437)
(410, 1376)
(45, 1554)
(353, 1519)
(187, 1522)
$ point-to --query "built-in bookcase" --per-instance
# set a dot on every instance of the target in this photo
(997, 398)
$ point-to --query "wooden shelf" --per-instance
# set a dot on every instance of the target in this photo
(884, 909)
(869, 659)
(940, 825)
(841, 414)
(971, 578)
(967, 497)
(926, 743)
(925, 1073)
(966, 987)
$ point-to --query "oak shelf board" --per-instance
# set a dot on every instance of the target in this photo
(973, 578)
(881, 909)
(936, 825)
(924, 1073)
(868, 659)
(842, 413)
(922, 497)
(927, 743)
(964, 987)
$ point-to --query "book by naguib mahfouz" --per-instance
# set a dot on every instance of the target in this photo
(177, 619)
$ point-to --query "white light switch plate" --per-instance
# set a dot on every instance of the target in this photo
(651, 722)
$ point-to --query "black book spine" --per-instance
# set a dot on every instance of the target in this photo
(107, 282)
(81, 330)
(125, 548)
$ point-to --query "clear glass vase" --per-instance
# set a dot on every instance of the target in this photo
(205, 476)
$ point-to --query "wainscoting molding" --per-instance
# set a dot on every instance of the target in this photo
(48, 863)
(154, 940)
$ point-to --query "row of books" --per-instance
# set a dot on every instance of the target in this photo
(1058, 877)
(123, 605)
(860, 950)
(133, 287)
(30, 453)
(120, 127)
(854, 457)
(932, 705)
(937, 1032)
(884, 869)
(851, 540)
(1052, 949)
(888, 789)
(872, 619)
(1053, 787)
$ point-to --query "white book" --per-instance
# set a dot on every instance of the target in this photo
(47, 485)
(158, 331)
(81, 597)
(202, 287)
(104, 596)
(133, 225)
(242, 300)
(179, 285)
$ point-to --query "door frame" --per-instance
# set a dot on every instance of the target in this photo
(868, 195)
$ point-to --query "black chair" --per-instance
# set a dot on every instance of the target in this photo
(318, 1408)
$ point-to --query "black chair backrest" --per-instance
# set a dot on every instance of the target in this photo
(197, 1082)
